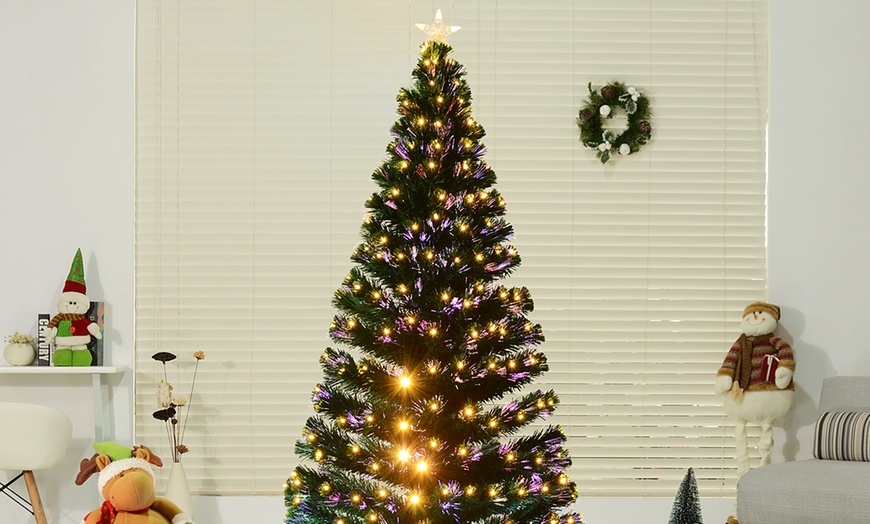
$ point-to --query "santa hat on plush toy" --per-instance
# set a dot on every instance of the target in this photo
(75, 281)
(122, 459)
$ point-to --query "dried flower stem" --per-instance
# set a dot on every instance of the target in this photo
(170, 433)
(171, 438)
(190, 399)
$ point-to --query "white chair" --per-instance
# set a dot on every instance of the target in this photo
(32, 437)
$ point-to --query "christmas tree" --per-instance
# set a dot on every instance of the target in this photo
(416, 428)
(687, 507)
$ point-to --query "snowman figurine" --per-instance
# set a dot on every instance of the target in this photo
(71, 329)
(756, 380)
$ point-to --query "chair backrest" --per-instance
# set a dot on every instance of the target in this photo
(845, 394)
(32, 436)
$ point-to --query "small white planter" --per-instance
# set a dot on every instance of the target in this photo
(19, 354)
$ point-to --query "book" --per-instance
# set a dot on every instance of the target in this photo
(97, 314)
(43, 348)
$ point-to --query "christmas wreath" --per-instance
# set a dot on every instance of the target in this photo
(600, 105)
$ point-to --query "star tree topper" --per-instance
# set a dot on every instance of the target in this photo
(438, 32)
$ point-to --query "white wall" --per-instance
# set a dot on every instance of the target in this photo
(66, 181)
(819, 252)
(66, 135)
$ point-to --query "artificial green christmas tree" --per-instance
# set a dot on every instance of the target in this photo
(413, 426)
(687, 506)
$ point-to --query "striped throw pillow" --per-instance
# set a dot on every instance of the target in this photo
(843, 435)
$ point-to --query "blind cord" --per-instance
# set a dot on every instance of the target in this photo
(724, 149)
(252, 375)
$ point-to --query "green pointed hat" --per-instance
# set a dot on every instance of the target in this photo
(75, 281)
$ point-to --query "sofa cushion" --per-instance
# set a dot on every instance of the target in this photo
(842, 435)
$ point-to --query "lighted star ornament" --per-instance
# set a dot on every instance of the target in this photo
(438, 32)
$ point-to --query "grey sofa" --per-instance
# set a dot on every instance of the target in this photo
(812, 491)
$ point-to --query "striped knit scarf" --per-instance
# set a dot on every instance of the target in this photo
(743, 366)
(65, 316)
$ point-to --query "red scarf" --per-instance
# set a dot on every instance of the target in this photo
(108, 512)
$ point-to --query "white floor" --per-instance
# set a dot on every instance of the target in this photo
(270, 510)
(254, 510)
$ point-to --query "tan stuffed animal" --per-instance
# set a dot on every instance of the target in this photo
(127, 485)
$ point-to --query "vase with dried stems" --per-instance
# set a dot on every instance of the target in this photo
(174, 412)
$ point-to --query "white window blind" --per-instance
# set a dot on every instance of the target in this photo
(259, 124)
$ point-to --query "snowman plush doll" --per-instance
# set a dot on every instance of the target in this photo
(756, 380)
(71, 330)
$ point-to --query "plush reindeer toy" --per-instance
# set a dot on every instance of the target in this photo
(126, 482)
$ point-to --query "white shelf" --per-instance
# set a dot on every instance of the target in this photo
(60, 370)
(99, 383)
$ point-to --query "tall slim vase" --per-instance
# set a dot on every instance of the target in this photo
(178, 490)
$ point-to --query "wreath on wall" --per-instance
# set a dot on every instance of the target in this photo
(600, 106)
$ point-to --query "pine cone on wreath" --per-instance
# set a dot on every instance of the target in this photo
(644, 126)
(587, 114)
(608, 92)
